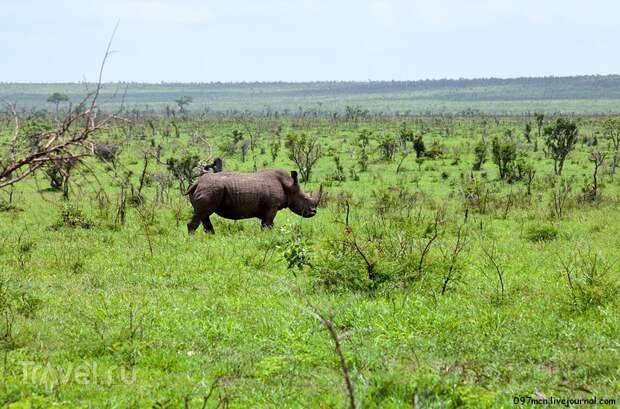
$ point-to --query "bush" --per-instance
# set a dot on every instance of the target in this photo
(589, 280)
(339, 174)
(540, 233)
(480, 153)
(107, 152)
(72, 216)
(435, 151)
(297, 254)
(363, 143)
(183, 168)
(388, 145)
(336, 273)
(418, 146)
(504, 155)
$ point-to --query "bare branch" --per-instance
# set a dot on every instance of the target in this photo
(62, 144)
(327, 322)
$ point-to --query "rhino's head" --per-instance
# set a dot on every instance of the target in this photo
(299, 202)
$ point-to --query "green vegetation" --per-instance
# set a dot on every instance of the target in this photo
(448, 265)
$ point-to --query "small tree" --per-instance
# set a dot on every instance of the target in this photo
(388, 146)
(418, 146)
(561, 139)
(183, 101)
(274, 148)
(611, 128)
(305, 152)
(183, 169)
(591, 193)
(363, 142)
(56, 98)
(504, 154)
(480, 153)
(405, 135)
(540, 120)
(527, 132)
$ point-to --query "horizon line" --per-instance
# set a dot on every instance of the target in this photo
(369, 81)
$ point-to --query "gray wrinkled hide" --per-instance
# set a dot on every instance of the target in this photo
(235, 195)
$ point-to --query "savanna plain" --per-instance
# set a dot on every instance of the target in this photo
(454, 261)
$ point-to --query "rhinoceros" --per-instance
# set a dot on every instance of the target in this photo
(235, 195)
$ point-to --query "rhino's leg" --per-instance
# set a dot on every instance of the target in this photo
(267, 219)
(204, 206)
(194, 223)
(206, 223)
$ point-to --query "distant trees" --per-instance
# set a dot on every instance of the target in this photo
(560, 139)
(56, 98)
(355, 113)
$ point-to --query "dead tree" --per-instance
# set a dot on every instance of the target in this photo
(68, 142)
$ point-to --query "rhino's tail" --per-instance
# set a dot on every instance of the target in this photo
(190, 191)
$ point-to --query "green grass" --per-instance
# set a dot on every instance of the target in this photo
(167, 316)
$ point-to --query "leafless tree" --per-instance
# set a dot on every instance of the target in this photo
(69, 141)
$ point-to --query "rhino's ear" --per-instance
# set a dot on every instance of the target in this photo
(217, 165)
(294, 176)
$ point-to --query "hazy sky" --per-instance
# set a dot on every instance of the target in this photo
(298, 40)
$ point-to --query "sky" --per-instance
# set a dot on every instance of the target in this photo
(306, 40)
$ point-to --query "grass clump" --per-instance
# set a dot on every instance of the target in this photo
(540, 233)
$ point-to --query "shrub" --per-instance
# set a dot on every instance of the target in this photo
(339, 174)
(364, 144)
(347, 272)
(504, 154)
(435, 151)
(72, 216)
(183, 168)
(107, 152)
(480, 154)
(418, 146)
(296, 253)
(478, 195)
(540, 233)
(388, 145)
(588, 279)
(305, 151)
